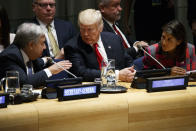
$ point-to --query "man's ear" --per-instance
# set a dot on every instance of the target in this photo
(101, 7)
(30, 45)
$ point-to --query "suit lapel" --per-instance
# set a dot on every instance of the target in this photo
(107, 27)
(89, 53)
(107, 45)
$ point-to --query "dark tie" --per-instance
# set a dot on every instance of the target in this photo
(29, 68)
(98, 55)
(124, 43)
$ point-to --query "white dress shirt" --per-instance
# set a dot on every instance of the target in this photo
(125, 39)
(26, 59)
(104, 55)
(45, 30)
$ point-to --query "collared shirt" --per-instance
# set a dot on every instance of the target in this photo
(110, 24)
(45, 30)
(104, 55)
(125, 39)
(26, 59)
(102, 50)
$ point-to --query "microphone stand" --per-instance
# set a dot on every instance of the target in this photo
(140, 47)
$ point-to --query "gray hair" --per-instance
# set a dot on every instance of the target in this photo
(103, 2)
(27, 32)
(90, 16)
(37, 0)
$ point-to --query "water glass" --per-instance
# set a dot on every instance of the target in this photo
(110, 74)
(103, 75)
(12, 81)
(27, 89)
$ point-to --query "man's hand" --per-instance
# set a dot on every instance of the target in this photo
(140, 43)
(127, 74)
(55, 68)
(177, 71)
(60, 55)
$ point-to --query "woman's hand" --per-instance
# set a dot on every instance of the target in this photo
(177, 71)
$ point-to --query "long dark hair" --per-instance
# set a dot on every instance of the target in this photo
(5, 28)
(177, 30)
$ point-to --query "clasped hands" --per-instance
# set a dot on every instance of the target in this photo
(127, 74)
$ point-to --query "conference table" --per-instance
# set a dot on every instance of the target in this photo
(134, 110)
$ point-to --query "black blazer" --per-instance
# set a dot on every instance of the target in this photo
(11, 59)
(131, 51)
(64, 30)
(83, 57)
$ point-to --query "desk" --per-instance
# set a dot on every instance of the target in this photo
(134, 110)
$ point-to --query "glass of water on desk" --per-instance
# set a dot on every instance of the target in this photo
(110, 76)
(12, 81)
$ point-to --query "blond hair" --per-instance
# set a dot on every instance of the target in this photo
(89, 17)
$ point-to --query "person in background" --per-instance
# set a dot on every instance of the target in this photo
(111, 12)
(92, 48)
(23, 56)
(5, 36)
(173, 51)
(57, 32)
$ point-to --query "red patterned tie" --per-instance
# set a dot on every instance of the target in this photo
(99, 56)
(124, 43)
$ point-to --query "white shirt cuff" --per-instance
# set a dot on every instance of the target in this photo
(48, 73)
(135, 46)
(117, 75)
(45, 60)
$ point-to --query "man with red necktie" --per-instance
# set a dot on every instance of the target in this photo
(111, 12)
(92, 47)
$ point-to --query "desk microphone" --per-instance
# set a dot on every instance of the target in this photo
(53, 62)
(141, 48)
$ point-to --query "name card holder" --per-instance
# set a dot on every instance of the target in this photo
(166, 83)
(79, 91)
(4, 100)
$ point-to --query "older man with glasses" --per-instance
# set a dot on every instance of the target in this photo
(57, 32)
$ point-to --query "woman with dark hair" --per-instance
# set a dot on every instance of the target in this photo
(4, 29)
(173, 51)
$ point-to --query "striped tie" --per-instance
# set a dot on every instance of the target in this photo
(124, 43)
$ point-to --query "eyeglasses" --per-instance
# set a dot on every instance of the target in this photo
(45, 5)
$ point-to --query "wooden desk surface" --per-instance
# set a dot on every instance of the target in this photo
(134, 110)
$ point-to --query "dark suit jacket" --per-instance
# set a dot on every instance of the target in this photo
(84, 60)
(11, 59)
(131, 51)
(64, 30)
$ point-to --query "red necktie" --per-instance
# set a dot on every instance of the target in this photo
(99, 56)
(124, 43)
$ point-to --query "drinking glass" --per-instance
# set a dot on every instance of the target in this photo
(103, 75)
(27, 89)
(12, 81)
(110, 74)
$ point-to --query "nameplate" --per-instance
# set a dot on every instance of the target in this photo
(79, 91)
(4, 100)
(167, 83)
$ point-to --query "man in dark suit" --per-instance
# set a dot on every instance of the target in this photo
(91, 48)
(111, 11)
(23, 55)
(57, 32)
